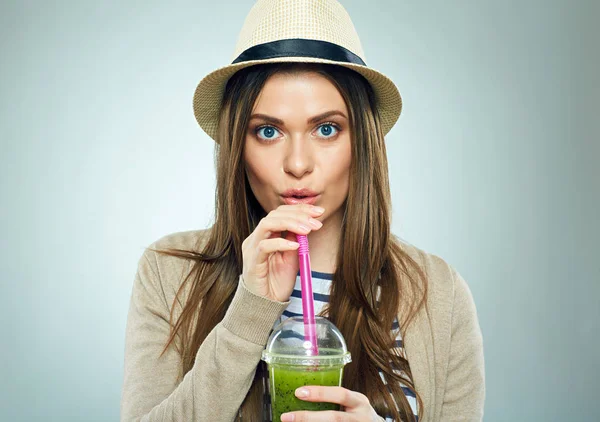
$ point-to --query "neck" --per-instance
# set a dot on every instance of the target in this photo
(324, 245)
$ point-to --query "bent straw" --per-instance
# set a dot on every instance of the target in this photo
(308, 305)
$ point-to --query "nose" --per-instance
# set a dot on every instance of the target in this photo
(299, 158)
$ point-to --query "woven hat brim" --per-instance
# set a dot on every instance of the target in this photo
(209, 92)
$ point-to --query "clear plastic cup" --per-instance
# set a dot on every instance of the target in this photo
(291, 363)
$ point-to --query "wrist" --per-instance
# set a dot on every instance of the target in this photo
(251, 316)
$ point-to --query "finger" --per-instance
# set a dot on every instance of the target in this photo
(268, 246)
(298, 214)
(271, 227)
(347, 398)
(298, 225)
(302, 212)
(304, 208)
(318, 416)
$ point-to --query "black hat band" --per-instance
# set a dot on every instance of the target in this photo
(299, 48)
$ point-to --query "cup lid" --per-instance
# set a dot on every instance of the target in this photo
(287, 344)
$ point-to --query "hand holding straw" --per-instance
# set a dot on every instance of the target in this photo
(308, 305)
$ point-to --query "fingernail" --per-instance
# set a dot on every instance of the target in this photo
(315, 223)
(301, 392)
(303, 227)
(319, 210)
(292, 244)
(287, 417)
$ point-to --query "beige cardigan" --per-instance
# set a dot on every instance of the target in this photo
(443, 345)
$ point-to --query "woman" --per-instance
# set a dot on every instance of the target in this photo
(299, 122)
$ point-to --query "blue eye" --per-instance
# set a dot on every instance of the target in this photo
(327, 130)
(267, 132)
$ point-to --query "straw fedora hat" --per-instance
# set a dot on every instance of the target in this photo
(305, 31)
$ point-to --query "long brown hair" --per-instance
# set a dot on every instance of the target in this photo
(369, 258)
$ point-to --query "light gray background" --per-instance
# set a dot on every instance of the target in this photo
(493, 166)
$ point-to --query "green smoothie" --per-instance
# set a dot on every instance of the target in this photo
(285, 379)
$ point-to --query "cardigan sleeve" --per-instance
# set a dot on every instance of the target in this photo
(465, 383)
(224, 365)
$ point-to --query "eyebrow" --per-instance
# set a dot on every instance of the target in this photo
(312, 120)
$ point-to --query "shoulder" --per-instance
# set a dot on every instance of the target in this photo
(449, 299)
(191, 240)
(167, 273)
(441, 276)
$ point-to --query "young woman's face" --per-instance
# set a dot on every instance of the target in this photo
(299, 138)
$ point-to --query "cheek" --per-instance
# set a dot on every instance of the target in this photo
(256, 172)
(338, 176)
(342, 169)
(259, 173)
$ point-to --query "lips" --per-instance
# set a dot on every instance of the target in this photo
(292, 200)
(299, 193)
(300, 196)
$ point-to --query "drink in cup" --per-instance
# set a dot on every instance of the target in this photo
(292, 363)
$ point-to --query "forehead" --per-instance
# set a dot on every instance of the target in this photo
(298, 92)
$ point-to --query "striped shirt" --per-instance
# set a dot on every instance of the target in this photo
(321, 284)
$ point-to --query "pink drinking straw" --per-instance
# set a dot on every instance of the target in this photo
(308, 304)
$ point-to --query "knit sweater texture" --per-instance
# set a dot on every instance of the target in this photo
(443, 345)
